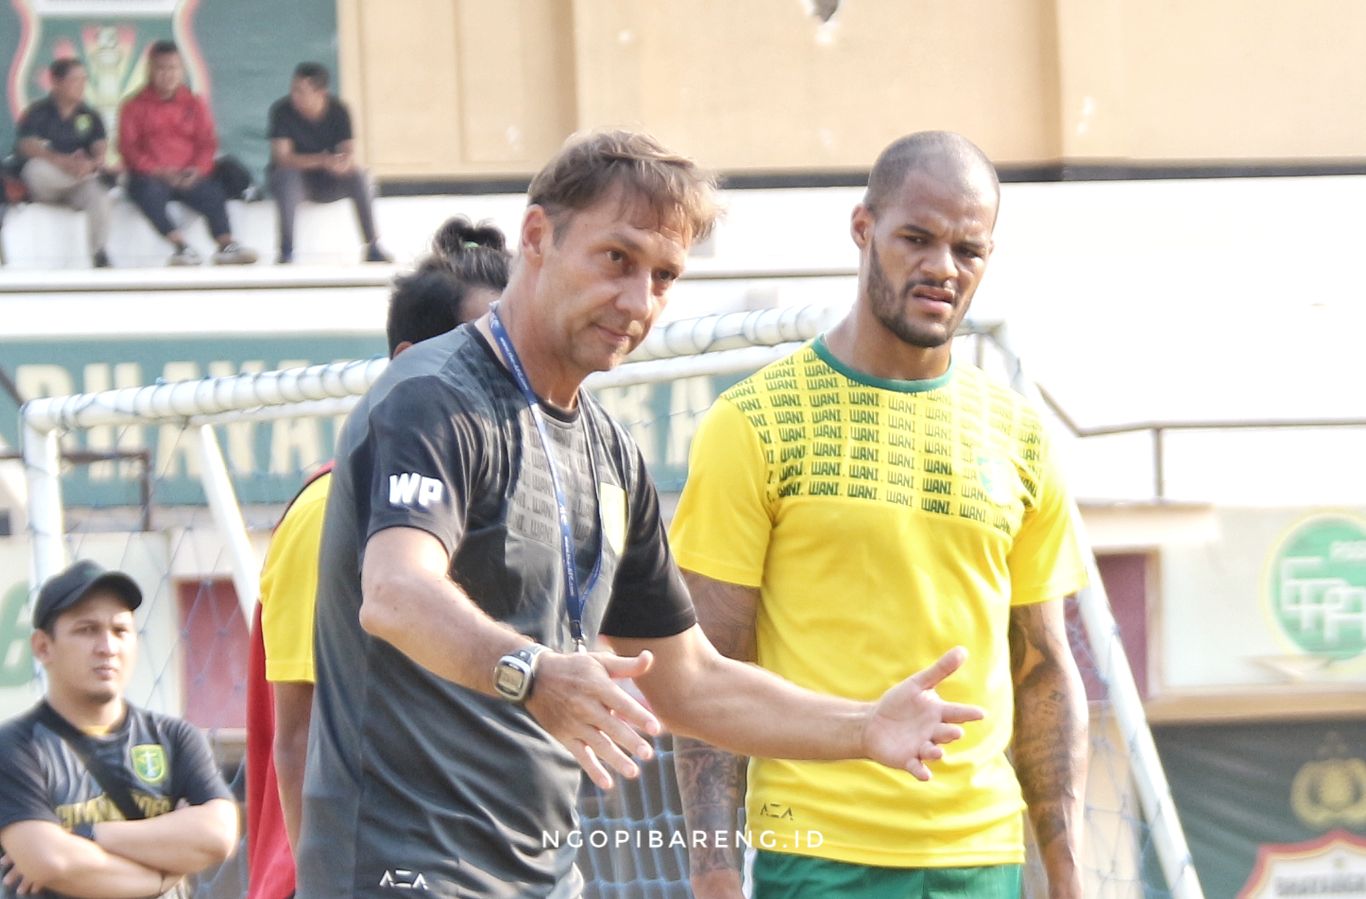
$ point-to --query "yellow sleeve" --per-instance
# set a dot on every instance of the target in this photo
(1046, 561)
(289, 582)
(724, 518)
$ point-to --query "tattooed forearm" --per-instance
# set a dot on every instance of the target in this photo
(711, 783)
(710, 780)
(1050, 745)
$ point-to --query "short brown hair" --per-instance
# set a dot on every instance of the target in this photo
(590, 166)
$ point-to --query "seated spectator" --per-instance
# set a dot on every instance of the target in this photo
(61, 146)
(98, 797)
(167, 140)
(312, 156)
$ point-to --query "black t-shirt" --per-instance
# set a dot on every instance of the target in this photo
(325, 135)
(409, 772)
(162, 760)
(79, 132)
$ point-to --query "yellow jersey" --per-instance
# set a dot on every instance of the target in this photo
(883, 522)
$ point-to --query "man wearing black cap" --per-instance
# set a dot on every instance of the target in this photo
(97, 797)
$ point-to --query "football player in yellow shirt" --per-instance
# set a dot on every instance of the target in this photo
(851, 512)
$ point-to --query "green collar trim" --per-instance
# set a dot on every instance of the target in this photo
(819, 347)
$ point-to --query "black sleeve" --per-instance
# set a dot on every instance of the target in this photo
(342, 128)
(28, 125)
(276, 128)
(421, 455)
(197, 778)
(649, 598)
(97, 132)
(23, 792)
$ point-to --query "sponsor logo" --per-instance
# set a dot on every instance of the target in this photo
(149, 763)
(403, 879)
(1316, 587)
(776, 810)
(407, 489)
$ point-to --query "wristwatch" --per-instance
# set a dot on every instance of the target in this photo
(515, 673)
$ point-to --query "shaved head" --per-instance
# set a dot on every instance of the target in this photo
(942, 154)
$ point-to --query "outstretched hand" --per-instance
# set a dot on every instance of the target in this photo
(910, 724)
(575, 698)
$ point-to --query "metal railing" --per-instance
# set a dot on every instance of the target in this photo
(1159, 429)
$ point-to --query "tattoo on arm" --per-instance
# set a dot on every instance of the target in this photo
(1050, 744)
(711, 783)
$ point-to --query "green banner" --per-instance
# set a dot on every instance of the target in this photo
(238, 54)
(1272, 809)
(267, 458)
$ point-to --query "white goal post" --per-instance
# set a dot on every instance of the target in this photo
(727, 343)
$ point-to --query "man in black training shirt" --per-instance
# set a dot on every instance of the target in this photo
(61, 829)
(453, 713)
(312, 156)
(62, 145)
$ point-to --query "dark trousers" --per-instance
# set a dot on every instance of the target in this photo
(291, 187)
(151, 195)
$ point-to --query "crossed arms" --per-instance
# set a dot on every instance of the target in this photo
(126, 858)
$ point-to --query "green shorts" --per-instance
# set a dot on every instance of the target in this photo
(780, 875)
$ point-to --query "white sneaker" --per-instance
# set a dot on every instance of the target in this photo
(186, 255)
(234, 254)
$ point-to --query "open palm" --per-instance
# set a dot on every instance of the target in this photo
(910, 723)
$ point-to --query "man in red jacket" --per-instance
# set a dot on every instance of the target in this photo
(167, 141)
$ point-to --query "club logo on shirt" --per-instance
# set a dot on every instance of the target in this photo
(149, 763)
(407, 489)
(999, 480)
(612, 508)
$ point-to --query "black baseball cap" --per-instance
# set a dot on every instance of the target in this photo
(68, 587)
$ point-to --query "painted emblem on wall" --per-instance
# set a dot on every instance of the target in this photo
(1316, 587)
(1331, 790)
(1332, 865)
(110, 38)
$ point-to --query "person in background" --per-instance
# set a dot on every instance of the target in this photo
(312, 157)
(97, 796)
(61, 148)
(466, 271)
(167, 140)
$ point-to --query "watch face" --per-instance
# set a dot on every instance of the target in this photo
(511, 680)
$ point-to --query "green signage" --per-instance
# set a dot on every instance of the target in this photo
(1316, 585)
(16, 658)
(266, 458)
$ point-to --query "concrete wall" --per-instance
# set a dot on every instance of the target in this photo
(458, 88)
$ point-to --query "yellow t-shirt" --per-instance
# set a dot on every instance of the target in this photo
(884, 522)
(289, 582)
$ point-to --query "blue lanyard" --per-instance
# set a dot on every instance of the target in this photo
(574, 599)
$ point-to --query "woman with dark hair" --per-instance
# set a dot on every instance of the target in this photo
(466, 271)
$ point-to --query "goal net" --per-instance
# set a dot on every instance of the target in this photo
(179, 484)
